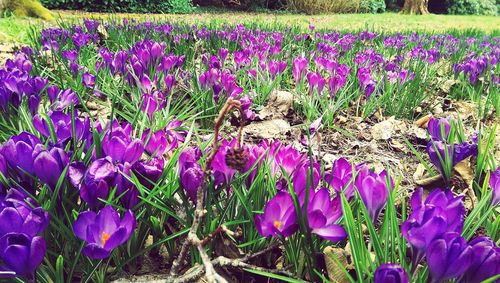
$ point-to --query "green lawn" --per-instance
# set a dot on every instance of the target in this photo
(13, 29)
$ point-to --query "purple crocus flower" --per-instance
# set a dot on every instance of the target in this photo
(302, 174)
(286, 158)
(49, 164)
(299, 68)
(169, 83)
(62, 99)
(21, 253)
(365, 81)
(21, 221)
(323, 213)
(441, 212)
(495, 186)
(120, 145)
(223, 52)
(91, 25)
(149, 172)
(88, 80)
(390, 273)
(438, 127)
(335, 83)
(223, 174)
(246, 104)
(190, 172)
(70, 55)
(159, 142)
(96, 182)
(18, 151)
(340, 176)
(279, 218)
(80, 39)
(103, 231)
(485, 263)
(448, 257)
(63, 127)
(18, 214)
(373, 190)
(315, 79)
(442, 154)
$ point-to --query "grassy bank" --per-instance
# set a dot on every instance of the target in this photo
(16, 29)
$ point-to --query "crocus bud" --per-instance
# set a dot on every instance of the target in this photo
(495, 186)
(485, 263)
(438, 129)
(49, 165)
(373, 191)
(21, 253)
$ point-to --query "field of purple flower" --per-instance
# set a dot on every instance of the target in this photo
(193, 153)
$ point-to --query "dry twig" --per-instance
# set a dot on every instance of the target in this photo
(192, 237)
(241, 263)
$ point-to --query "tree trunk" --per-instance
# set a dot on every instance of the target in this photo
(415, 7)
(26, 8)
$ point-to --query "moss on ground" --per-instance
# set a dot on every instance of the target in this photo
(29, 8)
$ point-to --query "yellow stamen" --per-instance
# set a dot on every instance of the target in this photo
(277, 224)
(104, 238)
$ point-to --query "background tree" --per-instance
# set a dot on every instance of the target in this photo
(26, 8)
(417, 7)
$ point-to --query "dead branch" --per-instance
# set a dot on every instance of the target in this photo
(221, 261)
(192, 238)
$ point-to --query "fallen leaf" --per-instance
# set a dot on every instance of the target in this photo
(418, 132)
(422, 179)
(398, 146)
(422, 122)
(386, 129)
(463, 168)
(336, 272)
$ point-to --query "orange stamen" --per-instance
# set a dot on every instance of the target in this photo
(277, 224)
(104, 238)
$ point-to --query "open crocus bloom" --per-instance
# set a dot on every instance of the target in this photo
(323, 213)
(103, 231)
(121, 146)
(279, 217)
(440, 212)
